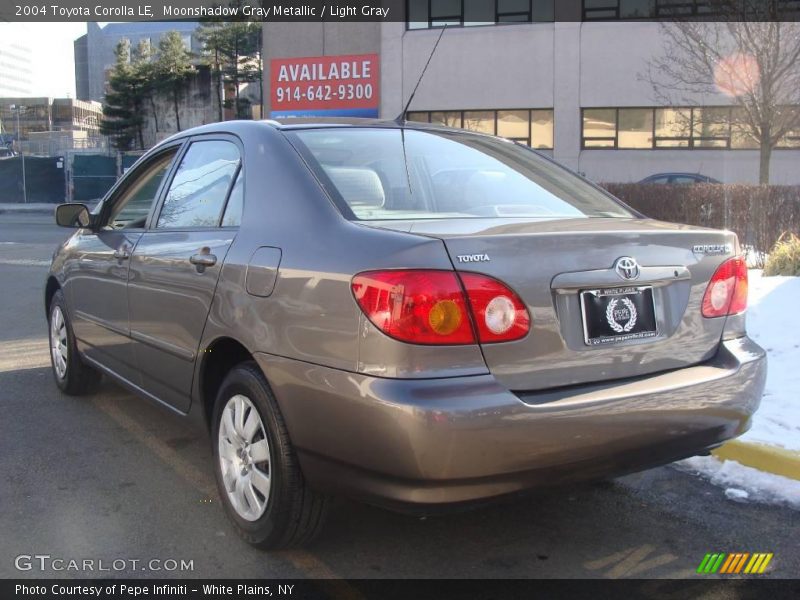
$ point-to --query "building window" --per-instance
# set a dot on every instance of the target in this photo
(424, 14)
(635, 128)
(533, 127)
(683, 8)
(513, 11)
(600, 10)
(604, 10)
(514, 125)
(613, 10)
(673, 127)
(481, 121)
(448, 119)
(445, 12)
(600, 128)
(710, 127)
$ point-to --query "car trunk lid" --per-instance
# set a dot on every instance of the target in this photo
(550, 263)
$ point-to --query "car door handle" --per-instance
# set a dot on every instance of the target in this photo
(122, 253)
(203, 260)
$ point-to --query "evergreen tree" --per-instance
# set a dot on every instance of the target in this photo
(174, 69)
(212, 36)
(241, 45)
(145, 68)
(122, 108)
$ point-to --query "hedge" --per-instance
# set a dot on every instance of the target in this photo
(759, 214)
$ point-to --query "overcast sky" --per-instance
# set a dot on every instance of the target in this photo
(53, 56)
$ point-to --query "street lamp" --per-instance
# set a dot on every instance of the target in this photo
(21, 109)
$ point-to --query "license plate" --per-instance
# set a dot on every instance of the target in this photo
(618, 314)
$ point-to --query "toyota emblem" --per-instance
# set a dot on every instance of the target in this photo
(627, 268)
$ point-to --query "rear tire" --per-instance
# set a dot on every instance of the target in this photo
(258, 476)
(72, 376)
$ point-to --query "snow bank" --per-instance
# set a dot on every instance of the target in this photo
(773, 321)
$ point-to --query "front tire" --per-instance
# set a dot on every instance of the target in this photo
(258, 477)
(72, 376)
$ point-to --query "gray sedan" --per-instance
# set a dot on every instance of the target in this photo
(411, 315)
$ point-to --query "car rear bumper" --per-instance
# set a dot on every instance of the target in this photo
(435, 441)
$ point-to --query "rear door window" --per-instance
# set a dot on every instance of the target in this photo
(197, 193)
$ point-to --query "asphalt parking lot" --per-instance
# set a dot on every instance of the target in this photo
(110, 477)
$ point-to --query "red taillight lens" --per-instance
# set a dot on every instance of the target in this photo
(422, 307)
(500, 316)
(430, 307)
(726, 293)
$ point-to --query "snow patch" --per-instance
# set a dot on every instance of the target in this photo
(736, 494)
(745, 484)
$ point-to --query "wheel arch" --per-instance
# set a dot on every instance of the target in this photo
(50, 289)
(217, 359)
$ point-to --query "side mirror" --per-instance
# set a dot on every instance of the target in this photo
(73, 214)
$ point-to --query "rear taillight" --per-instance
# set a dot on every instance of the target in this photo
(500, 316)
(726, 293)
(423, 307)
(433, 307)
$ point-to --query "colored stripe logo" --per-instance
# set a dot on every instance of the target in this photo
(735, 563)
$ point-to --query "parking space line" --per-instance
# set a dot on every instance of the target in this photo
(631, 562)
(28, 353)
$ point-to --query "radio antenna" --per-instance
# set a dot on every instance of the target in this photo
(402, 116)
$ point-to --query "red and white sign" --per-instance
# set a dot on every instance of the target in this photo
(346, 85)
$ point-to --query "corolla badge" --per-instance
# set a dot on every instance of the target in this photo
(627, 268)
(712, 248)
(621, 318)
(465, 258)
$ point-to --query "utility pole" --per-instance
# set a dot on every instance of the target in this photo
(19, 109)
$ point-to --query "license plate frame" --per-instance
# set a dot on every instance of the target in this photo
(635, 303)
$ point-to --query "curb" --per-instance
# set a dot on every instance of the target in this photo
(771, 459)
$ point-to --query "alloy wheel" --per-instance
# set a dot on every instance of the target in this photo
(244, 458)
(58, 342)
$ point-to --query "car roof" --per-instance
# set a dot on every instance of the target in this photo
(247, 127)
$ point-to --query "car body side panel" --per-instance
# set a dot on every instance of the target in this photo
(95, 283)
(169, 299)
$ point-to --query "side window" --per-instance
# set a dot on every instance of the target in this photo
(131, 208)
(233, 212)
(197, 193)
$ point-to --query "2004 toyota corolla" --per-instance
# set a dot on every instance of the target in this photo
(408, 314)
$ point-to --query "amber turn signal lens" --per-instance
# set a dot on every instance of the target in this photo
(444, 317)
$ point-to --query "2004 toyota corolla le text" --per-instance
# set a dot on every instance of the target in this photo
(403, 313)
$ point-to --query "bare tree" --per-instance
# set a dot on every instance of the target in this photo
(749, 56)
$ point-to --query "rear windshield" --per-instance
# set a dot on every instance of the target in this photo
(383, 174)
